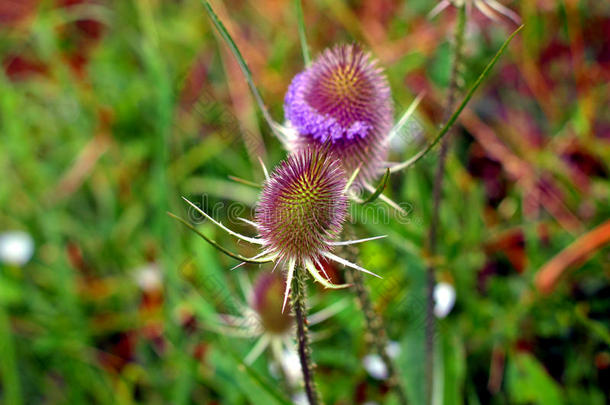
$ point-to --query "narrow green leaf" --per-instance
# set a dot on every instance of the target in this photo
(379, 189)
(528, 382)
(456, 114)
(243, 65)
(302, 37)
(453, 369)
(597, 328)
(351, 179)
(216, 245)
(245, 182)
(406, 115)
(9, 367)
(255, 377)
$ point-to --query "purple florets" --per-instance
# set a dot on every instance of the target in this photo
(343, 99)
(303, 206)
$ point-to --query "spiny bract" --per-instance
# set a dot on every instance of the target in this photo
(490, 8)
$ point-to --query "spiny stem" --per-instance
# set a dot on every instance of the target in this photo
(376, 335)
(436, 196)
(298, 294)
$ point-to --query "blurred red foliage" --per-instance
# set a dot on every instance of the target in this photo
(13, 12)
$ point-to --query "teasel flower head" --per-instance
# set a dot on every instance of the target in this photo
(299, 217)
(343, 98)
(303, 206)
(266, 300)
(492, 9)
(261, 317)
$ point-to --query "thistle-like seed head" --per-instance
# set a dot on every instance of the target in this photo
(267, 297)
(302, 206)
(343, 98)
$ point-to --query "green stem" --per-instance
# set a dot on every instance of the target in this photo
(302, 37)
(298, 295)
(437, 196)
(222, 30)
(376, 336)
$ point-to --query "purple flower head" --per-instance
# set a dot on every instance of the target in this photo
(267, 297)
(299, 217)
(302, 206)
(343, 99)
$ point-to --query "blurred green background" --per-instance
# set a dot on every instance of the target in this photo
(111, 110)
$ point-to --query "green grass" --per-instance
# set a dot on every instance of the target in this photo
(92, 163)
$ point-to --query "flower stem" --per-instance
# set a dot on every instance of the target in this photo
(375, 332)
(298, 295)
(436, 195)
(376, 335)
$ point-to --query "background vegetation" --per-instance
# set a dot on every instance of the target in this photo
(111, 110)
